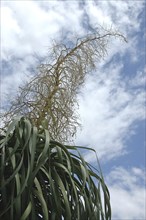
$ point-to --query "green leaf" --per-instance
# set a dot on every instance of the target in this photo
(40, 176)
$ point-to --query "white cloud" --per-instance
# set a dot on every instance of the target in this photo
(97, 15)
(28, 27)
(139, 79)
(10, 31)
(128, 193)
(27, 30)
(109, 106)
(122, 14)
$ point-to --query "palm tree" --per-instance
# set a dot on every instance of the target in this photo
(43, 179)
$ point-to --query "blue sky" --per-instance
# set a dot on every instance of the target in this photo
(111, 103)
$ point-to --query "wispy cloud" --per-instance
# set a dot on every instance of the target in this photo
(128, 193)
(123, 14)
(109, 107)
(28, 29)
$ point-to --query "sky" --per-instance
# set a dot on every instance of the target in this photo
(112, 100)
